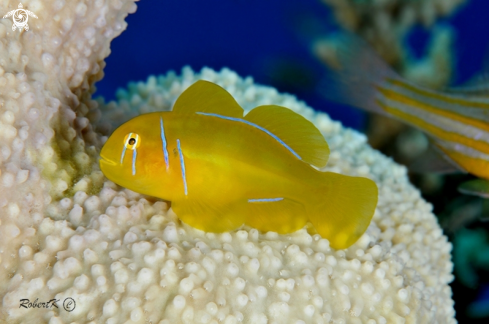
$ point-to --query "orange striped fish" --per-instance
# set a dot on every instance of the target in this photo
(457, 121)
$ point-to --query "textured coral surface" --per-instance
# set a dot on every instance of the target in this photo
(66, 231)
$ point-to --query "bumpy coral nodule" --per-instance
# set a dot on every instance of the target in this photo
(67, 232)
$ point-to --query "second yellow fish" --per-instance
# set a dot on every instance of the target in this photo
(456, 120)
(221, 170)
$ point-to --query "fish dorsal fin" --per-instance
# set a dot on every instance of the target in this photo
(207, 97)
(294, 130)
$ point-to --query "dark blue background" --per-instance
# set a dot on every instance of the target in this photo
(268, 40)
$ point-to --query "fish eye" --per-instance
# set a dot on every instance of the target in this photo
(132, 141)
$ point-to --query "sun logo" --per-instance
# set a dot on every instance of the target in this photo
(20, 17)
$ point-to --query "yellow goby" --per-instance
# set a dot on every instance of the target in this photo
(221, 170)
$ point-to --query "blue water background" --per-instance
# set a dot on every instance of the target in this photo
(268, 40)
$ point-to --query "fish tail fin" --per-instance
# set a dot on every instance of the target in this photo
(355, 73)
(343, 208)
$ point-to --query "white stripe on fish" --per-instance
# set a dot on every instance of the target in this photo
(182, 166)
(256, 126)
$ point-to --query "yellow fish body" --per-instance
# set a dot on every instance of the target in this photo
(221, 170)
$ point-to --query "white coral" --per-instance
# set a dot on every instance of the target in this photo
(68, 232)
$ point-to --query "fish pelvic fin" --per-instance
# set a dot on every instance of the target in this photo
(295, 131)
(343, 209)
(357, 75)
(210, 216)
(476, 187)
(207, 97)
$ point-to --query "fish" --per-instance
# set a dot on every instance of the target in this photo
(456, 120)
(222, 170)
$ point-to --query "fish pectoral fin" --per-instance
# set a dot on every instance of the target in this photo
(294, 130)
(477, 187)
(281, 216)
(433, 160)
(450, 153)
(209, 216)
(207, 97)
(355, 72)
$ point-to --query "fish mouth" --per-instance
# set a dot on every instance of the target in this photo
(105, 161)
